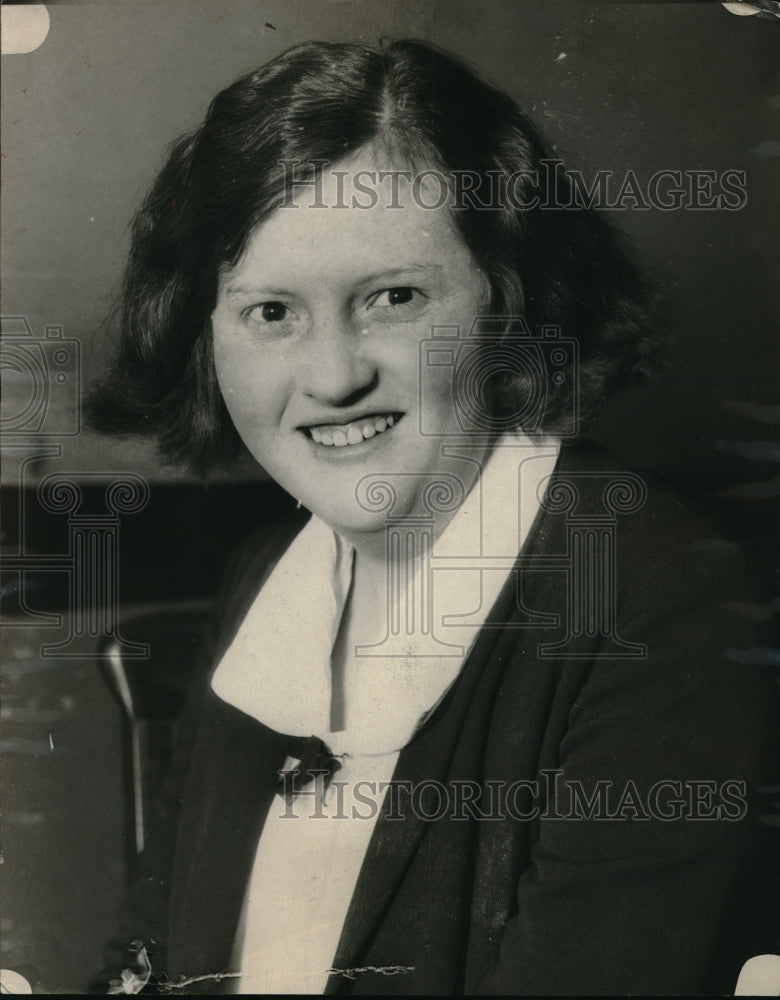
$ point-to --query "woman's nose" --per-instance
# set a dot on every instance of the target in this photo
(335, 369)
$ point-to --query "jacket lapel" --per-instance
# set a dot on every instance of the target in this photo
(450, 743)
(235, 767)
(429, 756)
(233, 776)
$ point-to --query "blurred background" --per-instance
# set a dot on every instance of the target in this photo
(86, 119)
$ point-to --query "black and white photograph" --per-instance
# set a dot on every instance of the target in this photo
(390, 441)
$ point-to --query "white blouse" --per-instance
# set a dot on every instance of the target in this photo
(277, 670)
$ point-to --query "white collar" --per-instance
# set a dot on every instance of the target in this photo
(277, 669)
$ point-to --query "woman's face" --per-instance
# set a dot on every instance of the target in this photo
(317, 333)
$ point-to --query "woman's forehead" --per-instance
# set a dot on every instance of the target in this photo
(373, 178)
(357, 217)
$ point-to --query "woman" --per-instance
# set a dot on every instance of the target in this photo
(474, 725)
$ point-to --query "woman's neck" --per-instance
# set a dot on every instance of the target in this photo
(394, 553)
(372, 547)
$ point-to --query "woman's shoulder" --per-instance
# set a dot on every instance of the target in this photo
(252, 563)
(604, 480)
(657, 528)
(687, 593)
(263, 546)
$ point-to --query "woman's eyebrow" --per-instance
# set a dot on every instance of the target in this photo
(232, 290)
(413, 268)
(394, 272)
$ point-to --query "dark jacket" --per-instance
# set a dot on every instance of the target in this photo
(568, 900)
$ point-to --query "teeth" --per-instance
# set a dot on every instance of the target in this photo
(349, 434)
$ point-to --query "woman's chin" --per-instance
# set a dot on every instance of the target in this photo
(365, 512)
(357, 522)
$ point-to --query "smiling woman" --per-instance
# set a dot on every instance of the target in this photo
(317, 354)
(474, 719)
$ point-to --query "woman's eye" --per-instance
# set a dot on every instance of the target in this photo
(394, 296)
(268, 312)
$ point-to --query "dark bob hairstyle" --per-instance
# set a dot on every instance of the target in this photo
(550, 260)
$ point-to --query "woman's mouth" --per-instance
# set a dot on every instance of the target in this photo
(355, 432)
